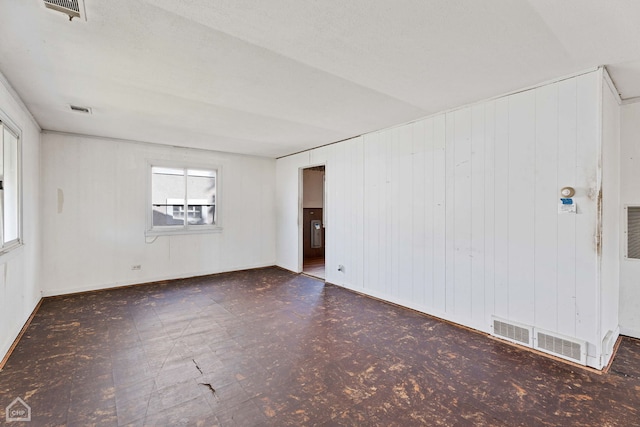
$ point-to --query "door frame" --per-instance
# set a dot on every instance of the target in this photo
(301, 211)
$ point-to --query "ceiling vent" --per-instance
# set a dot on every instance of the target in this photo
(73, 8)
(77, 109)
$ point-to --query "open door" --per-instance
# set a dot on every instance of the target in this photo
(313, 227)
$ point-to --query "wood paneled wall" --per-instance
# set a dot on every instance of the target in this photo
(457, 215)
(94, 238)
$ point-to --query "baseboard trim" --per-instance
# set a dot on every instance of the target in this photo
(78, 292)
(149, 281)
(445, 319)
(20, 334)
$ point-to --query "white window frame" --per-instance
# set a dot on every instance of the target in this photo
(168, 230)
(5, 248)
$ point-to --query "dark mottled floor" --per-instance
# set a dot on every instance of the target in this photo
(267, 347)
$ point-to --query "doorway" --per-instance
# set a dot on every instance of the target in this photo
(313, 224)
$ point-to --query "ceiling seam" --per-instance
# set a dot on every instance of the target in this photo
(545, 83)
(289, 58)
(154, 144)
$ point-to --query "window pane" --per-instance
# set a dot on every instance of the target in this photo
(167, 198)
(11, 187)
(201, 194)
(167, 171)
(203, 173)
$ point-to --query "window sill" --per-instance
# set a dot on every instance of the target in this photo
(181, 231)
(10, 252)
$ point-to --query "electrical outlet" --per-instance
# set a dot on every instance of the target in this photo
(136, 267)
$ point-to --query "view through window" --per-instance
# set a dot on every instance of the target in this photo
(183, 198)
(9, 187)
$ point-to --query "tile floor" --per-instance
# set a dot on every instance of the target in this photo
(270, 348)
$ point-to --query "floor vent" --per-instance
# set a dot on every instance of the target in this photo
(570, 349)
(73, 8)
(513, 332)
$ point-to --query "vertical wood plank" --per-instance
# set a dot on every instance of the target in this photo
(440, 214)
(450, 271)
(567, 155)
(372, 172)
(522, 205)
(490, 210)
(386, 249)
(462, 215)
(359, 212)
(334, 164)
(340, 154)
(404, 218)
(501, 260)
(418, 236)
(394, 226)
(477, 232)
(347, 207)
(547, 196)
(614, 167)
(588, 162)
(429, 212)
(336, 228)
(287, 198)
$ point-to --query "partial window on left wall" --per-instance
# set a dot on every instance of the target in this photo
(10, 188)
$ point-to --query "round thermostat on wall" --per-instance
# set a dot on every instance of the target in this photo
(567, 192)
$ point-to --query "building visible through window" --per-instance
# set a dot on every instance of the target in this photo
(195, 209)
(175, 191)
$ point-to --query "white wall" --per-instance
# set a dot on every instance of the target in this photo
(20, 269)
(313, 189)
(457, 215)
(630, 195)
(288, 243)
(611, 218)
(95, 233)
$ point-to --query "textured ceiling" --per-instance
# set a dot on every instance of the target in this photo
(279, 76)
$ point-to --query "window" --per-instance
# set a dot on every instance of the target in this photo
(176, 191)
(10, 211)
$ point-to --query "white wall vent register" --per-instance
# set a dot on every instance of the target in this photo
(564, 347)
(558, 345)
(519, 334)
